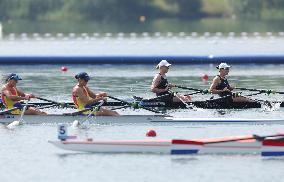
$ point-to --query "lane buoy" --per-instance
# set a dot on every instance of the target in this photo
(64, 68)
(205, 77)
(151, 133)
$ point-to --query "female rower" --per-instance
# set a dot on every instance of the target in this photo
(221, 86)
(11, 96)
(84, 98)
(161, 87)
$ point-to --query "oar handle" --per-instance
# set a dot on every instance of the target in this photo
(9, 110)
(54, 102)
(194, 89)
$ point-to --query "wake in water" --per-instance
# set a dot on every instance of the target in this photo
(270, 106)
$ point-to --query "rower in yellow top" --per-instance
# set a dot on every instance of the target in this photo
(221, 86)
(84, 98)
(11, 96)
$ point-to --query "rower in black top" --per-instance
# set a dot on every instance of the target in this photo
(161, 87)
(221, 86)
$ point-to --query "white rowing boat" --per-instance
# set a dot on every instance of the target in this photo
(266, 146)
(39, 119)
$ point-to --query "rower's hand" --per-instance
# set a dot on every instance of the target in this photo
(103, 94)
(171, 85)
(103, 98)
(226, 90)
(166, 89)
(29, 96)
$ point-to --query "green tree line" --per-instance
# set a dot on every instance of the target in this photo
(133, 10)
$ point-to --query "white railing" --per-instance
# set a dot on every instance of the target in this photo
(1, 31)
(134, 35)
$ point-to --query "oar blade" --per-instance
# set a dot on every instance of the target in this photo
(75, 124)
(13, 125)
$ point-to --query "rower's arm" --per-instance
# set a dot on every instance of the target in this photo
(91, 94)
(86, 100)
(96, 95)
(20, 93)
(213, 86)
(8, 94)
(231, 88)
(155, 83)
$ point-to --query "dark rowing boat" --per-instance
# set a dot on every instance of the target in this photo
(208, 104)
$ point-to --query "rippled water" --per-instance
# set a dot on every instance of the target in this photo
(25, 154)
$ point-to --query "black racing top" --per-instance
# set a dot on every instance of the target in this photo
(224, 83)
(162, 85)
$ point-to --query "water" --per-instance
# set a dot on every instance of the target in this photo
(25, 154)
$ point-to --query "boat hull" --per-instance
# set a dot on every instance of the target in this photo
(252, 146)
(209, 104)
(128, 119)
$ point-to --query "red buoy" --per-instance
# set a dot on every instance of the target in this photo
(151, 133)
(64, 68)
(205, 77)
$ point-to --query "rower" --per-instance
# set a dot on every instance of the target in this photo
(161, 87)
(221, 86)
(11, 96)
(84, 98)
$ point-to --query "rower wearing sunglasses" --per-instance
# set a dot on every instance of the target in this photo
(11, 97)
(84, 98)
(221, 86)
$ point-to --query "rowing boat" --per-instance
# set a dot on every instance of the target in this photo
(266, 146)
(209, 104)
(128, 119)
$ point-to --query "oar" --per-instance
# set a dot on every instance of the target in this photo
(205, 91)
(76, 123)
(266, 102)
(256, 137)
(47, 106)
(260, 90)
(152, 99)
(135, 105)
(236, 94)
(8, 111)
(16, 123)
(61, 104)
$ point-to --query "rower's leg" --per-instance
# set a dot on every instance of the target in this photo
(34, 111)
(106, 112)
(183, 97)
(242, 99)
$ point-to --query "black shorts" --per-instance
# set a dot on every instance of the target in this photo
(165, 97)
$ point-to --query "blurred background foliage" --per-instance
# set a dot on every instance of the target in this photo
(121, 12)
